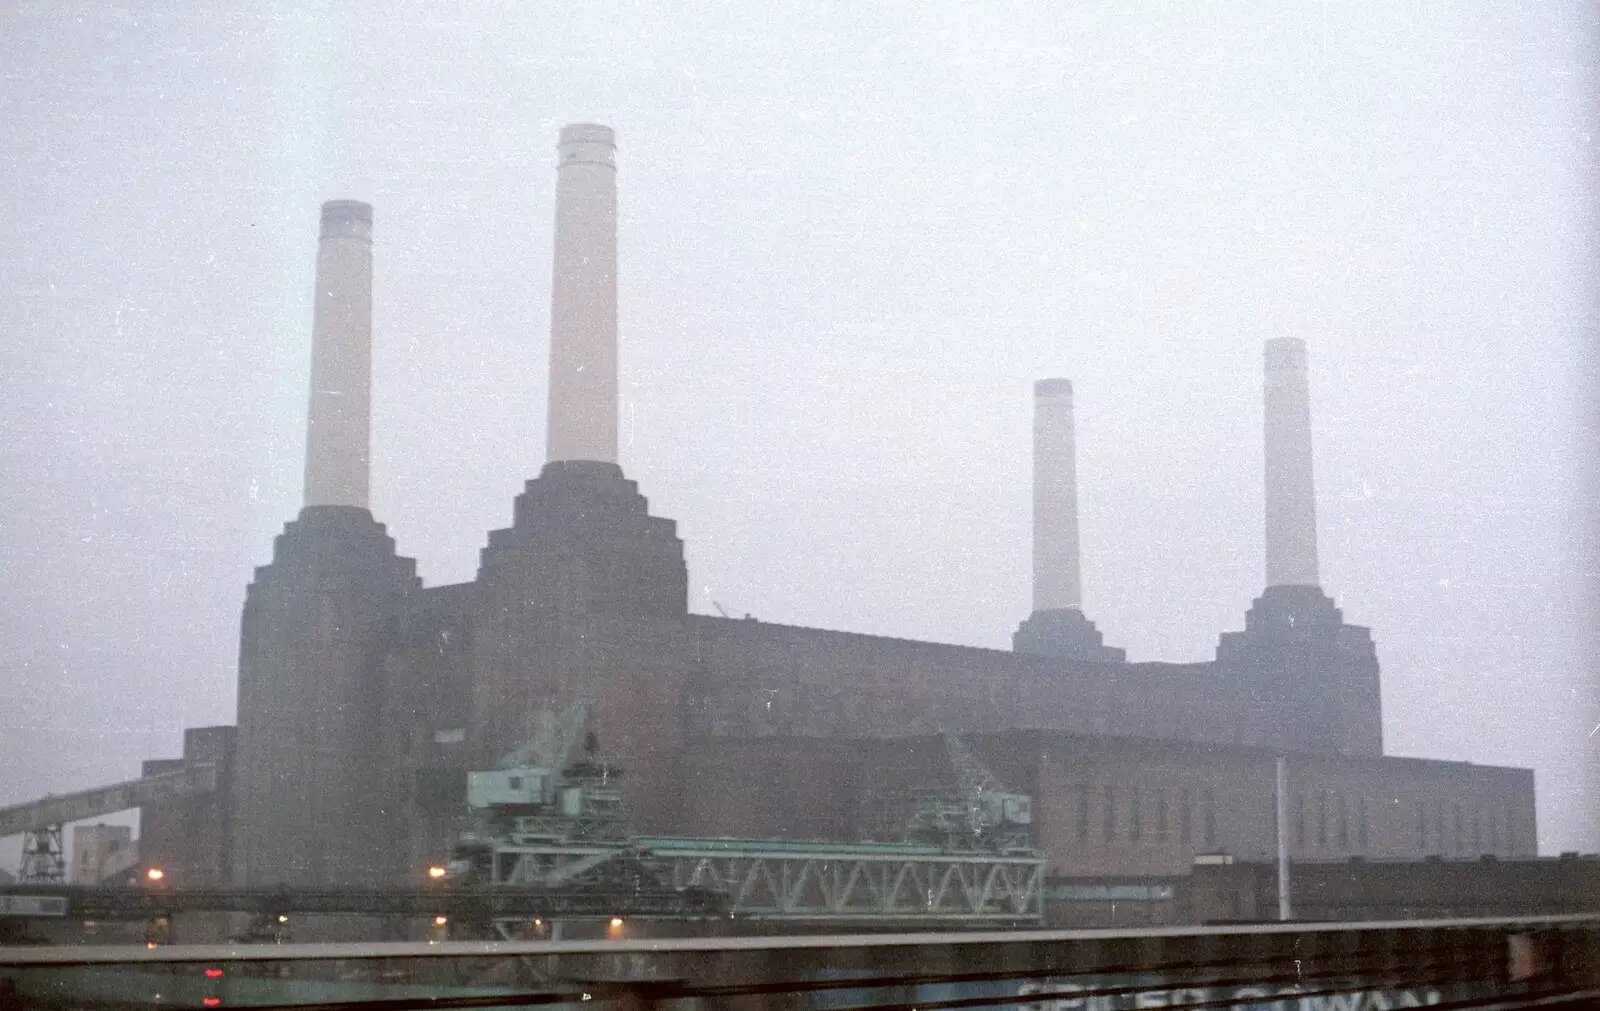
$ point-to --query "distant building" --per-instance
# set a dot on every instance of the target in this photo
(101, 853)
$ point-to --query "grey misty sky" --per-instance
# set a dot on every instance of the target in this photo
(852, 236)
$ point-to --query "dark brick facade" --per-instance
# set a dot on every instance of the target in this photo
(364, 697)
(190, 838)
(1118, 805)
(312, 793)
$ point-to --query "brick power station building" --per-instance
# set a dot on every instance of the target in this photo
(365, 695)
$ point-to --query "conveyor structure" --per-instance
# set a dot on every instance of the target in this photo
(767, 879)
(546, 822)
(41, 821)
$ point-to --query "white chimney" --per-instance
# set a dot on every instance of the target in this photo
(1291, 501)
(1056, 582)
(337, 429)
(583, 303)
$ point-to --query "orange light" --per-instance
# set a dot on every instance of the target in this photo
(282, 918)
(211, 1001)
(155, 874)
(436, 872)
(616, 921)
(439, 921)
(213, 973)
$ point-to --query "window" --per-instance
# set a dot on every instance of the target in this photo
(1183, 816)
(1422, 827)
(1134, 828)
(1299, 820)
(1511, 831)
(1161, 815)
(1083, 812)
(1111, 813)
(1361, 823)
(1343, 826)
(1477, 821)
(1322, 818)
(1494, 832)
(1456, 836)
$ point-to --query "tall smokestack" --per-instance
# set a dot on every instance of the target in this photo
(583, 302)
(1291, 502)
(337, 435)
(1056, 582)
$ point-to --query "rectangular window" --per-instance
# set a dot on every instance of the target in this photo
(1511, 831)
(1322, 817)
(1343, 826)
(1300, 820)
(1422, 827)
(1134, 827)
(1456, 837)
(1083, 812)
(1111, 813)
(1361, 823)
(1211, 818)
(1494, 832)
(1477, 823)
(1161, 815)
(1183, 816)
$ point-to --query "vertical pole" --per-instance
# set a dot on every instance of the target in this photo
(1284, 912)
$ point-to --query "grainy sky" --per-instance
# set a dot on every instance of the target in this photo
(852, 236)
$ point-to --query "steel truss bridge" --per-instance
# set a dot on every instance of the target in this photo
(1551, 962)
(817, 882)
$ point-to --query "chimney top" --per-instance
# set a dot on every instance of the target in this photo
(587, 143)
(1052, 388)
(1285, 351)
(592, 132)
(347, 219)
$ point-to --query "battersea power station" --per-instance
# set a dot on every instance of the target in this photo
(365, 697)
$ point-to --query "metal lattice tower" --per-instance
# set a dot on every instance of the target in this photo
(44, 861)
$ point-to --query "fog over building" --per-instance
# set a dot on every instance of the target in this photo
(364, 694)
(831, 314)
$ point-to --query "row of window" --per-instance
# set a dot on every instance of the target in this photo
(1474, 831)
(1166, 820)
(1189, 817)
(1341, 821)
(1470, 831)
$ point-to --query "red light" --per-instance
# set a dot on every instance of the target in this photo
(213, 973)
(211, 1001)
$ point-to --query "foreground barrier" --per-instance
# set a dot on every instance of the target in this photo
(1299, 967)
